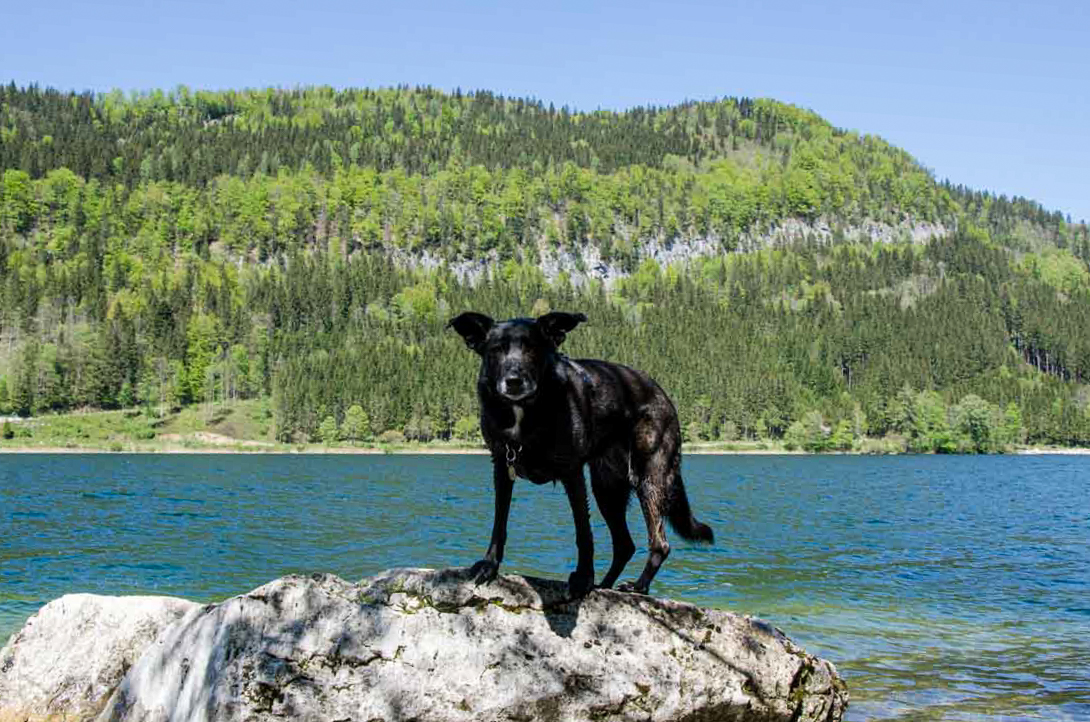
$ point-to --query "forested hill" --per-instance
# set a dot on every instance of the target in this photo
(306, 246)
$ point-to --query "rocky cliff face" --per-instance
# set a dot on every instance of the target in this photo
(427, 645)
(586, 263)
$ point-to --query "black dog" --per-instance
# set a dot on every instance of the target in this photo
(544, 416)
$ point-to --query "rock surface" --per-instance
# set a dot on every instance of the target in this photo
(413, 644)
(585, 262)
(69, 658)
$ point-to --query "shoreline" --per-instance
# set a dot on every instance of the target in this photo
(245, 428)
(1057, 451)
(333, 451)
(427, 450)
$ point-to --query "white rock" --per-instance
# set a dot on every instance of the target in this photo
(430, 645)
(69, 657)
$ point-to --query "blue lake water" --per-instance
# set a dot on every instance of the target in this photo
(954, 588)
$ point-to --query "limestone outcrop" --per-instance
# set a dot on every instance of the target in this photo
(415, 644)
(70, 657)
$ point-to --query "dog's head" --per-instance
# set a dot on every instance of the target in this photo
(516, 355)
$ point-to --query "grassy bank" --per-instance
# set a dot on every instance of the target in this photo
(243, 428)
(246, 427)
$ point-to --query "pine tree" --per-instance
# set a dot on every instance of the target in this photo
(5, 398)
(356, 426)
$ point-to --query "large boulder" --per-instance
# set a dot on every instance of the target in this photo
(69, 658)
(412, 644)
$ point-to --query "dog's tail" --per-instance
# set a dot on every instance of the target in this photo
(681, 516)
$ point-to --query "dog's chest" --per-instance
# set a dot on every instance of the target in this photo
(540, 465)
(546, 434)
(544, 457)
(514, 432)
(540, 442)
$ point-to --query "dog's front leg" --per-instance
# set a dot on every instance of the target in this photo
(581, 580)
(486, 569)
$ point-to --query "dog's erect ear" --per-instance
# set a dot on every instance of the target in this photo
(557, 324)
(473, 327)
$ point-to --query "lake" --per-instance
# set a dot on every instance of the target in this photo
(950, 588)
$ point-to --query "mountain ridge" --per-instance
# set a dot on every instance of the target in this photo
(304, 246)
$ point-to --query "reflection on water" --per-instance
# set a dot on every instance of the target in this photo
(942, 587)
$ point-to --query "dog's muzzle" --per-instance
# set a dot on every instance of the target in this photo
(516, 388)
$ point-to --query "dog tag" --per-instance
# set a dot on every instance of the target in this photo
(512, 454)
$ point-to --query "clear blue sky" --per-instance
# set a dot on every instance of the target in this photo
(992, 94)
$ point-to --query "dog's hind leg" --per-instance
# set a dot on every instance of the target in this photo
(612, 490)
(652, 478)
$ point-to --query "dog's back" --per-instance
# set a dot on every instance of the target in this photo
(639, 421)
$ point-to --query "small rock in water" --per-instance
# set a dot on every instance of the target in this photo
(412, 644)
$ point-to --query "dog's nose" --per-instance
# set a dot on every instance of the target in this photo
(513, 384)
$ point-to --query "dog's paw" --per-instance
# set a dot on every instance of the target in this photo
(580, 584)
(484, 571)
(631, 588)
